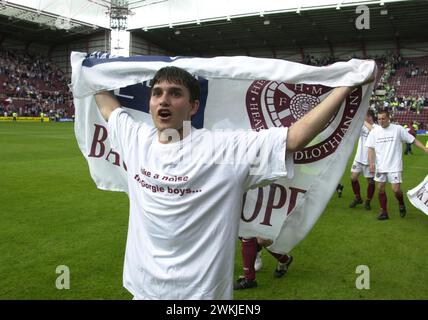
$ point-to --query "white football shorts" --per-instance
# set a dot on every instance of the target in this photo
(391, 177)
(362, 168)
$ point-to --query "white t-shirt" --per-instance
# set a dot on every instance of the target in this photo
(388, 147)
(185, 205)
(361, 155)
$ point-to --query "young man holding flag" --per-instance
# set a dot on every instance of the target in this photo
(185, 199)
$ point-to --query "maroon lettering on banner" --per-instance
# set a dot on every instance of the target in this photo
(293, 198)
(100, 135)
(98, 142)
(257, 208)
(275, 191)
(116, 161)
(420, 194)
(254, 108)
(270, 203)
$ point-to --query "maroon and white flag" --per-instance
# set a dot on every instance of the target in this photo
(418, 196)
(237, 93)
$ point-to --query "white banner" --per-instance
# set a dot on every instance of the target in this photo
(237, 93)
(418, 196)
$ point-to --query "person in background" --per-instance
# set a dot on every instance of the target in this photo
(251, 262)
(386, 159)
(361, 165)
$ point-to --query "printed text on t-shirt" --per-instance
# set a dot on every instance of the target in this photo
(385, 139)
(156, 188)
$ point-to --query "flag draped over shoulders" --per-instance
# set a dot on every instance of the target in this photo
(236, 93)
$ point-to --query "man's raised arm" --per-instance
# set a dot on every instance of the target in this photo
(420, 145)
(107, 103)
(305, 129)
(368, 125)
(371, 157)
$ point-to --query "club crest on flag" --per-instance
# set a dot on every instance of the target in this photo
(280, 104)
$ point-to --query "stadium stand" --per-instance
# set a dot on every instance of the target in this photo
(403, 89)
(410, 75)
(31, 84)
(401, 86)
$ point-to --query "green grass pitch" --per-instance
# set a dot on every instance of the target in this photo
(52, 214)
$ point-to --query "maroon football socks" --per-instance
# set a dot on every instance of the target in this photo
(356, 189)
(283, 258)
(382, 201)
(249, 254)
(370, 190)
(399, 196)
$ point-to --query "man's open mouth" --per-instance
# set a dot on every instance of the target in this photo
(164, 114)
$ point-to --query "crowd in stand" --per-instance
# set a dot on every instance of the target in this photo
(41, 87)
(388, 98)
(31, 85)
(391, 101)
(403, 103)
(318, 61)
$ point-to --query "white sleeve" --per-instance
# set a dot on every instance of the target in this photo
(122, 130)
(262, 157)
(371, 140)
(406, 136)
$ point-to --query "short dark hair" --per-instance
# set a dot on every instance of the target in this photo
(384, 111)
(178, 76)
(371, 114)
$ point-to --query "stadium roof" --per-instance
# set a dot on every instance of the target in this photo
(51, 22)
(330, 27)
(329, 24)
